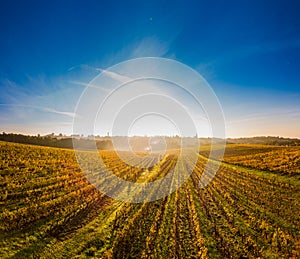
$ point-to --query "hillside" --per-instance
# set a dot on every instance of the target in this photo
(48, 209)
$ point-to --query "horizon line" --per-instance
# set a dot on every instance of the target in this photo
(169, 136)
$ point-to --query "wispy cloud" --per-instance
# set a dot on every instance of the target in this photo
(40, 108)
(115, 75)
(69, 114)
(274, 114)
(110, 74)
(87, 85)
(151, 47)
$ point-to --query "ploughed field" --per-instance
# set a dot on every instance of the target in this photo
(48, 208)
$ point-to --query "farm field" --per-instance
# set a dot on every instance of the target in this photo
(278, 159)
(48, 209)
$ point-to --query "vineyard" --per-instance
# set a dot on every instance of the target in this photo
(278, 159)
(48, 208)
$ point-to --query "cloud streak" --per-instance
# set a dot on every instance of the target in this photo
(110, 74)
(150, 46)
(272, 115)
(68, 114)
(87, 85)
(114, 75)
(40, 108)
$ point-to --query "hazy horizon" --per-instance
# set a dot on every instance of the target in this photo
(56, 134)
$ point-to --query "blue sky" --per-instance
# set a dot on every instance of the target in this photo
(248, 51)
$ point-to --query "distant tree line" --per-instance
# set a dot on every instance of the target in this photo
(37, 140)
(55, 142)
(269, 140)
(137, 143)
